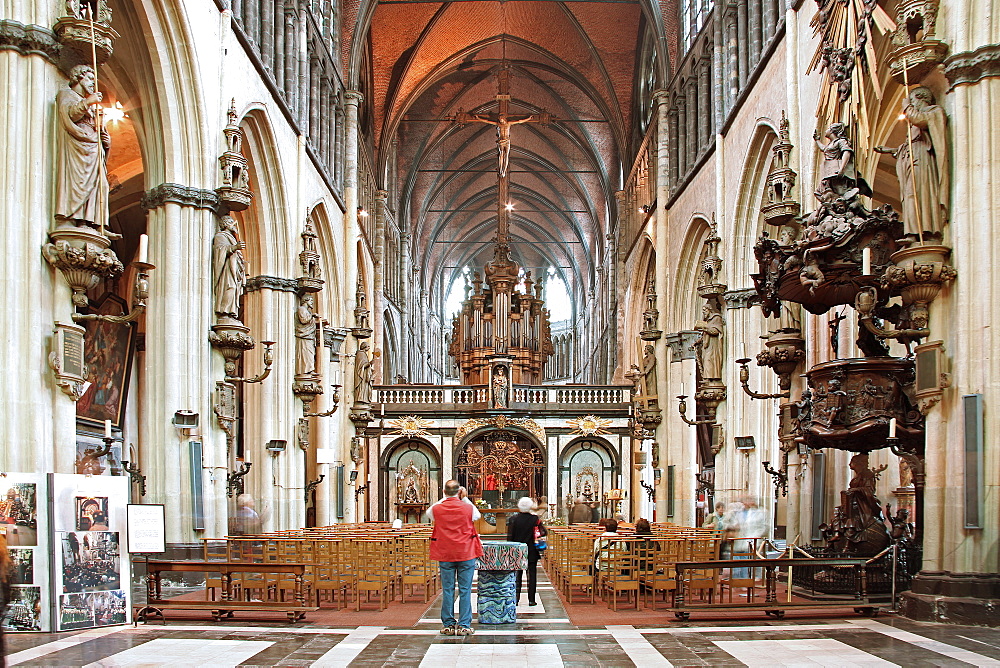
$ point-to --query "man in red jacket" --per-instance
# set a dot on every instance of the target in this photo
(456, 545)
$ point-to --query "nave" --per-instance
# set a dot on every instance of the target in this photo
(545, 636)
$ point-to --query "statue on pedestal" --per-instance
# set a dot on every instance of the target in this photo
(649, 388)
(923, 176)
(305, 336)
(362, 375)
(710, 347)
(229, 269)
(500, 386)
(81, 173)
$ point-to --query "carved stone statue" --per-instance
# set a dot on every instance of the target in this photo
(924, 176)
(81, 176)
(649, 377)
(362, 375)
(229, 269)
(710, 347)
(305, 336)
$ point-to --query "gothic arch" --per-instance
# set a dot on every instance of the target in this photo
(264, 223)
(747, 223)
(685, 288)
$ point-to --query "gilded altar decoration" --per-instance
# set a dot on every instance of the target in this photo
(588, 485)
(500, 422)
(412, 486)
(589, 425)
(499, 462)
(410, 425)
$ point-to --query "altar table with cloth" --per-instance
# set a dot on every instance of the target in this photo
(498, 569)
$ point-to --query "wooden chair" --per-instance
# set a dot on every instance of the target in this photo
(372, 566)
(579, 565)
(619, 571)
(661, 575)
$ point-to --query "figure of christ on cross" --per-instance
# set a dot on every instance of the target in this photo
(503, 122)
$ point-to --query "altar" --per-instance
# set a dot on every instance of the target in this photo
(485, 528)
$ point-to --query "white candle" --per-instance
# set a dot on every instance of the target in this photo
(682, 387)
(143, 248)
(866, 261)
(745, 351)
(381, 410)
(107, 429)
(892, 428)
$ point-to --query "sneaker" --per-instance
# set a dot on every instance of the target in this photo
(532, 603)
(465, 631)
(449, 631)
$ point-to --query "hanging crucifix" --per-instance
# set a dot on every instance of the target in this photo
(503, 122)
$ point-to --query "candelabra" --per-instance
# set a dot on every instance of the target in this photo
(361, 489)
(268, 361)
(682, 409)
(335, 397)
(650, 490)
(313, 484)
(234, 480)
(780, 478)
(136, 476)
(745, 382)
(140, 294)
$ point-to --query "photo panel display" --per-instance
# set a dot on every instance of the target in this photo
(91, 561)
(25, 611)
(24, 524)
(87, 610)
(19, 513)
(92, 513)
(22, 566)
(92, 574)
(76, 611)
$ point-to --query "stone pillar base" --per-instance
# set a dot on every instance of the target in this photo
(954, 598)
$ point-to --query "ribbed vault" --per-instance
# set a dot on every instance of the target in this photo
(575, 60)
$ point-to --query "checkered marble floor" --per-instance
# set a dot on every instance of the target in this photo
(543, 637)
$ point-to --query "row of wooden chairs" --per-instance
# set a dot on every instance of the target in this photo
(580, 561)
(358, 562)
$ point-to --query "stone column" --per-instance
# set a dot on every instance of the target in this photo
(314, 113)
(180, 367)
(39, 429)
(733, 62)
(378, 284)
(352, 100)
(683, 159)
(704, 107)
(663, 173)
(742, 43)
(267, 34)
(754, 28)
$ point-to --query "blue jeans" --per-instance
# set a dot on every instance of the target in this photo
(463, 571)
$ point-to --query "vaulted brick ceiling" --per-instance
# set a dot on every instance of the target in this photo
(575, 60)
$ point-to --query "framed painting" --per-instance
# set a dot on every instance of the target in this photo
(107, 351)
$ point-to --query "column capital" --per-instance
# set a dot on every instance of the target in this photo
(971, 67)
(381, 195)
(353, 97)
(661, 96)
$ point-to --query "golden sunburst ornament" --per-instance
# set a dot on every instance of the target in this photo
(411, 425)
(589, 425)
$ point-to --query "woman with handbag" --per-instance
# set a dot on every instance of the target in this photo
(526, 527)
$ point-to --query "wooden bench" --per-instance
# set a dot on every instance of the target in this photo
(295, 609)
